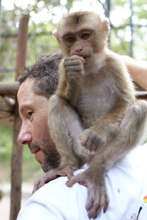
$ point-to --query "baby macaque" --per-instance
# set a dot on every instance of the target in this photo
(94, 116)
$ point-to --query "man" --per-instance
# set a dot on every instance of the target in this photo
(126, 182)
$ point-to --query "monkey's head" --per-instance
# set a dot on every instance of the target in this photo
(83, 34)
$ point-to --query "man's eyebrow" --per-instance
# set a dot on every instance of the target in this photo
(25, 106)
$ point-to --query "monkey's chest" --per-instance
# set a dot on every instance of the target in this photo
(94, 101)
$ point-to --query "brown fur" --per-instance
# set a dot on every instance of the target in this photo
(94, 116)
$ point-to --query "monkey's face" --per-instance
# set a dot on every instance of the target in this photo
(82, 35)
(78, 43)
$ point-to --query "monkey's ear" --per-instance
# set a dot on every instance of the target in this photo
(106, 25)
(55, 34)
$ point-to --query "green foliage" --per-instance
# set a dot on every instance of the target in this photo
(118, 2)
(5, 141)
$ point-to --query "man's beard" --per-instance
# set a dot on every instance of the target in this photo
(52, 157)
(52, 160)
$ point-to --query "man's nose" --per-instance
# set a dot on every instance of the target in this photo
(24, 137)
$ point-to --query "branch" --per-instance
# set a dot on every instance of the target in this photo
(141, 94)
(6, 108)
(9, 89)
(30, 35)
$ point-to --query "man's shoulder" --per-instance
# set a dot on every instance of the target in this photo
(56, 191)
(131, 167)
(136, 158)
(58, 199)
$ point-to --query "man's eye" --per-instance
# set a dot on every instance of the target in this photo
(29, 114)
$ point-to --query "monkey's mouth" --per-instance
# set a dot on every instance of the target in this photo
(86, 57)
(83, 55)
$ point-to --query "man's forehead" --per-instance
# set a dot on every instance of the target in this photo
(25, 91)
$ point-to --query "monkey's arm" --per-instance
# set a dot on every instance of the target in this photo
(132, 129)
(70, 76)
(104, 129)
(130, 125)
(107, 126)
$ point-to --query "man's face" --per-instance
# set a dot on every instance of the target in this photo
(33, 110)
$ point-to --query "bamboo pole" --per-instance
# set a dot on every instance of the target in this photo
(17, 150)
(9, 89)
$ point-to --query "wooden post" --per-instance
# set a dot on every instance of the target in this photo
(17, 150)
(9, 89)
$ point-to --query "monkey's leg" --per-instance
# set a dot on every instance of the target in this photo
(132, 132)
(65, 128)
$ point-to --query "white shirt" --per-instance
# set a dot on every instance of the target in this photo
(126, 185)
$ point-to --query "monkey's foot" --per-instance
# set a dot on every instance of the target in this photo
(90, 140)
(97, 198)
(53, 174)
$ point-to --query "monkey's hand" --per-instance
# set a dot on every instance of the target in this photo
(97, 198)
(53, 174)
(91, 139)
(74, 67)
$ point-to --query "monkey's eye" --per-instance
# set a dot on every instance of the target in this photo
(69, 38)
(85, 35)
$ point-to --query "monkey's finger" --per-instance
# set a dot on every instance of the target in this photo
(100, 205)
(89, 202)
(66, 171)
(71, 181)
(78, 57)
(73, 69)
(104, 201)
(91, 206)
(93, 203)
(84, 140)
(76, 179)
(90, 143)
(94, 144)
(72, 62)
(75, 57)
(93, 212)
(36, 187)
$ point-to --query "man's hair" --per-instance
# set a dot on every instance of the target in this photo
(45, 74)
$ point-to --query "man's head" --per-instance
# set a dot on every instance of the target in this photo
(36, 86)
